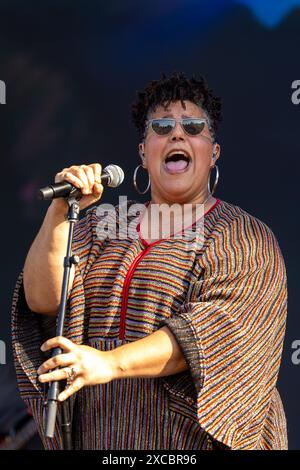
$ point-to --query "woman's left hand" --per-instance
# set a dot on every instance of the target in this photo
(88, 365)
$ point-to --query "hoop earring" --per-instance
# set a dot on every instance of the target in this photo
(135, 183)
(216, 180)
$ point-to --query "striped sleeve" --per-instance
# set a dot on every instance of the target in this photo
(85, 241)
(31, 329)
(231, 332)
(87, 246)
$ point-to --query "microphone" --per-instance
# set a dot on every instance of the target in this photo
(112, 176)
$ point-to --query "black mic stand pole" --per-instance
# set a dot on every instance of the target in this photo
(53, 390)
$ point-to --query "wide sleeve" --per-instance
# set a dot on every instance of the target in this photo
(87, 244)
(31, 329)
(231, 330)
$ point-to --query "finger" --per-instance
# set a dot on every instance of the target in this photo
(97, 190)
(90, 176)
(98, 187)
(61, 360)
(80, 173)
(58, 341)
(73, 388)
(97, 169)
(61, 374)
(65, 175)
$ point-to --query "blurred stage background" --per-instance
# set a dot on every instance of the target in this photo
(71, 70)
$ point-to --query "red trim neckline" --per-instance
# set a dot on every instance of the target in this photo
(157, 241)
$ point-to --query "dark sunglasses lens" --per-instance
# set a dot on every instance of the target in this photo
(162, 126)
(192, 126)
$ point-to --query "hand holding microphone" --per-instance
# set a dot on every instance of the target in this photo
(88, 178)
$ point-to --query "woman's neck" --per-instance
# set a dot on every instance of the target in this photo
(162, 220)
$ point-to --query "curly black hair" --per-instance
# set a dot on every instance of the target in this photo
(174, 88)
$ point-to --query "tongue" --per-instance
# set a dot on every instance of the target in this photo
(176, 166)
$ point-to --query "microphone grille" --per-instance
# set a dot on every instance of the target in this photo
(116, 175)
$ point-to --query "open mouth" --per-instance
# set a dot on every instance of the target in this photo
(177, 162)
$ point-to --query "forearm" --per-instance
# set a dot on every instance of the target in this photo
(43, 269)
(156, 355)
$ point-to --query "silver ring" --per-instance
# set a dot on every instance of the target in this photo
(71, 375)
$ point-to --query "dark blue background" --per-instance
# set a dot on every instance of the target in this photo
(72, 69)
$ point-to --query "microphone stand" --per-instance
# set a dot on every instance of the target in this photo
(53, 390)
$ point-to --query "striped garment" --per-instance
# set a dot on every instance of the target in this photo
(224, 299)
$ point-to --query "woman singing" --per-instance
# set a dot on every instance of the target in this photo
(169, 343)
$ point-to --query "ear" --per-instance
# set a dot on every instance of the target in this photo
(142, 154)
(216, 153)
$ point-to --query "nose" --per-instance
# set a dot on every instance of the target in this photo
(177, 133)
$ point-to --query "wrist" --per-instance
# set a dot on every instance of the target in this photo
(117, 363)
(54, 230)
(59, 207)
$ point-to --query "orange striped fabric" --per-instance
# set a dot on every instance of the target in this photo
(225, 300)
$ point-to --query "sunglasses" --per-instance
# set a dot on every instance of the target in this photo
(164, 126)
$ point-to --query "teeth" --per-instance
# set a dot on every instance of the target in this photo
(178, 152)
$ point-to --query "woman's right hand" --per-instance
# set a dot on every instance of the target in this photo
(85, 177)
